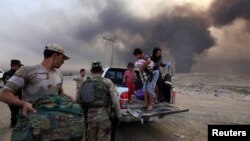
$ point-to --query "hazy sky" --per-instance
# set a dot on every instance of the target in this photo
(198, 36)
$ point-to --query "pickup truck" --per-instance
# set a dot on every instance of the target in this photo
(133, 112)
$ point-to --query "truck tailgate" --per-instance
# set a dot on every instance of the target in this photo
(159, 111)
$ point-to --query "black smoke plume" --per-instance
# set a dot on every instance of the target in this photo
(224, 12)
(183, 32)
(185, 36)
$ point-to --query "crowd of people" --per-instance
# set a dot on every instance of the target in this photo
(25, 85)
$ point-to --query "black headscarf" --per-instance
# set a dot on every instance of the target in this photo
(157, 60)
(154, 58)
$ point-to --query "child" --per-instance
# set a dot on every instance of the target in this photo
(147, 72)
(129, 79)
(150, 77)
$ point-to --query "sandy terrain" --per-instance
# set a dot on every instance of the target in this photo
(211, 99)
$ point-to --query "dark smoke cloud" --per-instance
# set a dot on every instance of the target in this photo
(224, 12)
(112, 18)
(248, 26)
(185, 36)
(183, 32)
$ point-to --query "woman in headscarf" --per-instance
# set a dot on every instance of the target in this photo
(157, 59)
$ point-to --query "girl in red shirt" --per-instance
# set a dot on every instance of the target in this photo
(129, 79)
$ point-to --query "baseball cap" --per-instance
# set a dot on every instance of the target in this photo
(15, 62)
(57, 48)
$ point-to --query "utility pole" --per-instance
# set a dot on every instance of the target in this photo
(112, 49)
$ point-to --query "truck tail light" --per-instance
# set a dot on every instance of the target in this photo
(124, 100)
(173, 97)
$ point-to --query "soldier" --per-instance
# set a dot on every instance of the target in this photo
(46, 78)
(79, 79)
(14, 66)
(35, 81)
(97, 111)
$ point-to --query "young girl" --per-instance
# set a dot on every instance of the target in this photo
(129, 79)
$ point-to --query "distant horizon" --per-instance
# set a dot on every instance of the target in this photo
(76, 72)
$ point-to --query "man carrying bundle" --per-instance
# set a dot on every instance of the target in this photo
(44, 103)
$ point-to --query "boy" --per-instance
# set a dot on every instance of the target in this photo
(150, 77)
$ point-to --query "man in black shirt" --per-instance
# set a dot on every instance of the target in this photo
(15, 65)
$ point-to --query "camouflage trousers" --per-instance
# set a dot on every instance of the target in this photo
(99, 131)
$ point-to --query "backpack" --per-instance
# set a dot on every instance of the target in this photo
(57, 118)
(94, 93)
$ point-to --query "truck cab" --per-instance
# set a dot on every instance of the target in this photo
(134, 111)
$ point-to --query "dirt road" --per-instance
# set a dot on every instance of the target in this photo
(211, 99)
(191, 126)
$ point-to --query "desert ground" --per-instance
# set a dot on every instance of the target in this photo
(210, 98)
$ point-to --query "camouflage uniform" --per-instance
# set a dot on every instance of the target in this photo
(35, 81)
(98, 119)
(79, 80)
(54, 112)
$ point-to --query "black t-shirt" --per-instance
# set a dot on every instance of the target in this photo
(6, 76)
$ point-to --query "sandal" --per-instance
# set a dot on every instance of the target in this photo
(145, 107)
(149, 109)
